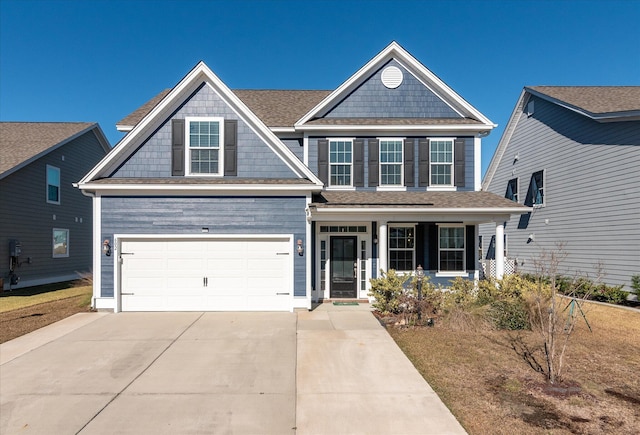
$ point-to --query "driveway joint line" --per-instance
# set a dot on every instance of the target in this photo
(139, 374)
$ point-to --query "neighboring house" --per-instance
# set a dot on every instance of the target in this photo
(269, 200)
(573, 154)
(45, 223)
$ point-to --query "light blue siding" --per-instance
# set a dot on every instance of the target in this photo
(222, 215)
(591, 189)
(411, 99)
(255, 158)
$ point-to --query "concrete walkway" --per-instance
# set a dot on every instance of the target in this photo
(333, 370)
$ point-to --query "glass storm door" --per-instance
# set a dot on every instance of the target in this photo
(344, 267)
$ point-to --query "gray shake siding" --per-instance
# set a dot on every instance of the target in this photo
(26, 216)
(469, 162)
(591, 189)
(410, 100)
(222, 215)
(255, 158)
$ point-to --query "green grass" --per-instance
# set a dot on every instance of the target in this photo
(27, 297)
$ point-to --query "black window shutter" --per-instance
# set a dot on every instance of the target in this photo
(458, 159)
(177, 147)
(433, 247)
(423, 162)
(374, 155)
(358, 162)
(470, 247)
(323, 160)
(230, 147)
(408, 163)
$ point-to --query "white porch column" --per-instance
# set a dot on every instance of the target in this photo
(499, 250)
(382, 246)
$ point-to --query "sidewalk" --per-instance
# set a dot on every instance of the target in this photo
(353, 379)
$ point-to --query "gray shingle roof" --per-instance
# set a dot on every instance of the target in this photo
(22, 141)
(436, 200)
(595, 99)
(276, 108)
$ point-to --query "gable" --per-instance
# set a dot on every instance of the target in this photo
(411, 99)
(200, 93)
(255, 159)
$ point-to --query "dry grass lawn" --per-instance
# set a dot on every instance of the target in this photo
(492, 390)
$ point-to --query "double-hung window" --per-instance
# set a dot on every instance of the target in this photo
(451, 248)
(340, 162)
(53, 185)
(535, 194)
(512, 190)
(401, 248)
(441, 162)
(391, 160)
(204, 146)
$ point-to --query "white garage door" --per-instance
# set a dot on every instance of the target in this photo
(206, 275)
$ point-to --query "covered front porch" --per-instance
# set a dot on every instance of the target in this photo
(357, 234)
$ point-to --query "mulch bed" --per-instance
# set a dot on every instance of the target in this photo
(20, 322)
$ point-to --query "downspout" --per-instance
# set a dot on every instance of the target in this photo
(92, 195)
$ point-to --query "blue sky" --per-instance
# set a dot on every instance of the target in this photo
(100, 60)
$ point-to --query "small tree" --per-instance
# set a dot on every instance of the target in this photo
(554, 324)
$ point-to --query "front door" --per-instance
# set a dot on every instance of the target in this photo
(343, 266)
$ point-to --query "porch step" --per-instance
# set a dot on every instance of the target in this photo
(330, 301)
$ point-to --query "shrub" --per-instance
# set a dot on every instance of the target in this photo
(387, 291)
(511, 314)
(609, 294)
(635, 284)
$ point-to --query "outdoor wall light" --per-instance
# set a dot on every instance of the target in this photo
(106, 248)
(532, 238)
(300, 249)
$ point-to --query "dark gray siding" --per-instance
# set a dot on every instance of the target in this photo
(26, 216)
(255, 158)
(592, 191)
(411, 99)
(469, 162)
(222, 215)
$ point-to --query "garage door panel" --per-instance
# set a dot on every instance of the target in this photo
(207, 274)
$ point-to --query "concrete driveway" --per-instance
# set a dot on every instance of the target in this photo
(328, 371)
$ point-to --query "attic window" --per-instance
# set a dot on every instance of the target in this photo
(392, 77)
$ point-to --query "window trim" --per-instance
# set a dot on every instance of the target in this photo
(53, 243)
(187, 141)
(329, 164)
(59, 186)
(413, 249)
(401, 164)
(544, 196)
(453, 273)
(451, 164)
(517, 182)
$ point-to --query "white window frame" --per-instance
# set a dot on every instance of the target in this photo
(187, 142)
(451, 164)
(517, 195)
(413, 248)
(453, 273)
(53, 243)
(380, 163)
(59, 186)
(544, 182)
(330, 164)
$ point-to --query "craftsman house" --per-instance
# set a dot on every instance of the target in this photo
(45, 223)
(220, 199)
(572, 153)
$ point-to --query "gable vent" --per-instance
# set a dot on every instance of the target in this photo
(392, 77)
